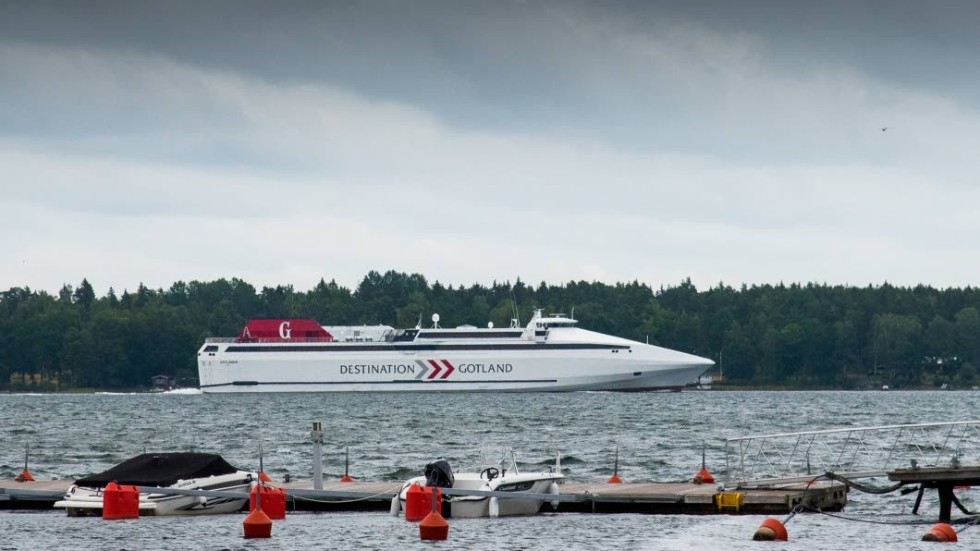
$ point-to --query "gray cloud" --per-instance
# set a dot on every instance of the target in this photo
(472, 143)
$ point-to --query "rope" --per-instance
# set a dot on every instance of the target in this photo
(338, 501)
(867, 488)
(870, 521)
(973, 522)
(801, 507)
(860, 486)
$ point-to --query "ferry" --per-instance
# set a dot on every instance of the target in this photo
(549, 354)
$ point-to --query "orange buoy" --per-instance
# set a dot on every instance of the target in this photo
(771, 530)
(614, 479)
(257, 524)
(120, 502)
(415, 503)
(24, 476)
(942, 533)
(346, 477)
(273, 501)
(703, 477)
(433, 527)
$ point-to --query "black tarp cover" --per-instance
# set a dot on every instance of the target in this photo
(160, 469)
(439, 474)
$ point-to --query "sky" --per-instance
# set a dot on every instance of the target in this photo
(739, 142)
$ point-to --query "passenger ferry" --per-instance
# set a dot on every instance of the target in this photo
(549, 354)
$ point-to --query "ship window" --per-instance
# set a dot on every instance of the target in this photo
(211, 348)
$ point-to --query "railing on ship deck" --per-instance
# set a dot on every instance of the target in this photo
(268, 339)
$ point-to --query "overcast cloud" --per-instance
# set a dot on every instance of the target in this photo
(735, 142)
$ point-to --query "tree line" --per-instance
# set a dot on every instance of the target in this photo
(790, 336)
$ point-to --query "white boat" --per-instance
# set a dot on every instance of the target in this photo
(487, 479)
(548, 354)
(181, 471)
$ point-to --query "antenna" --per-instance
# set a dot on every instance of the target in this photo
(419, 324)
(515, 321)
(435, 321)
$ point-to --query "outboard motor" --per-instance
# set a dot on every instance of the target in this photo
(439, 474)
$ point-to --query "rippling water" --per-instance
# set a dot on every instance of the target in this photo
(392, 436)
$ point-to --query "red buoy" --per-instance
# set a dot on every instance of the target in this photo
(614, 479)
(433, 527)
(771, 530)
(273, 501)
(264, 477)
(257, 524)
(415, 505)
(703, 477)
(24, 476)
(120, 502)
(942, 533)
(346, 477)
(418, 501)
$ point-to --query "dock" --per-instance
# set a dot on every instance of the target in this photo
(665, 498)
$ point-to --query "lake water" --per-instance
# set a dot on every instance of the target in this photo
(392, 436)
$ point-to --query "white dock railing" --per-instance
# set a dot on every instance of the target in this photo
(854, 452)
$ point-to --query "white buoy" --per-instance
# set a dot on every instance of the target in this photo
(553, 490)
(494, 508)
(395, 506)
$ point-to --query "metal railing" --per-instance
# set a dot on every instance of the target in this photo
(854, 452)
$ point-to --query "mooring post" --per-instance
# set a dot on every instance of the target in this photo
(317, 436)
(945, 502)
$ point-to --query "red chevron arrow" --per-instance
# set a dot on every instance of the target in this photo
(449, 369)
(436, 368)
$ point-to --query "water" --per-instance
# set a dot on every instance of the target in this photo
(392, 436)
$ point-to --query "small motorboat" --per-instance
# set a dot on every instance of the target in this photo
(181, 471)
(497, 478)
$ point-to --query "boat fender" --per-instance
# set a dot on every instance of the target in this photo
(494, 507)
(395, 506)
(553, 490)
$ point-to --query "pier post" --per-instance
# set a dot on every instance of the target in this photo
(945, 502)
(317, 435)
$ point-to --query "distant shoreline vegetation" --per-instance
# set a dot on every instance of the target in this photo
(760, 336)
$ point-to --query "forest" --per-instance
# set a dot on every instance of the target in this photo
(795, 336)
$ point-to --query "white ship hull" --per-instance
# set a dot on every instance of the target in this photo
(566, 359)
